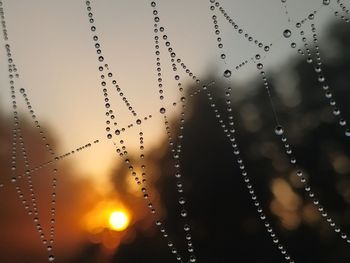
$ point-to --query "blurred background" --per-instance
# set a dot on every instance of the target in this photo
(101, 215)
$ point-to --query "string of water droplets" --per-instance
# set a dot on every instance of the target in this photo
(280, 132)
(176, 149)
(325, 2)
(345, 10)
(163, 110)
(287, 33)
(244, 174)
(230, 130)
(317, 65)
(47, 239)
(124, 154)
(216, 4)
(122, 130)
(227, 73)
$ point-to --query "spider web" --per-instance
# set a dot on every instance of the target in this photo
(261, 47)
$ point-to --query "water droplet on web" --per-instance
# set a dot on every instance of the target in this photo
(318, 69)
(326, 2)
(162, 110)
(279, 130)
(287, 33)
(193, 258)
(347, 132)
(181, 201)
(51, 258)
(336, 111)
(22, 90)
(227, 73)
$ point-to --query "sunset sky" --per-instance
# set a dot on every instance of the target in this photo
(53, 50)
(103, 210)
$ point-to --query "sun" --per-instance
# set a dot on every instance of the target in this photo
(118, 220)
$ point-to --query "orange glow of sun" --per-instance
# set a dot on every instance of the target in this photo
(118, 220)
(107, 214)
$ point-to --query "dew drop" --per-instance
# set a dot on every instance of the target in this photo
(347, 132)
(318, 69)
(326, 2)
(51, 258)
(336, 111)
(162, 110)
(227, 73)
(260, 66)
(279, 130)
(138, 121)
(181, 200)
(186, 227)
(287, 33)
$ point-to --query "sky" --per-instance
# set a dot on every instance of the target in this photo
(53, 49)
